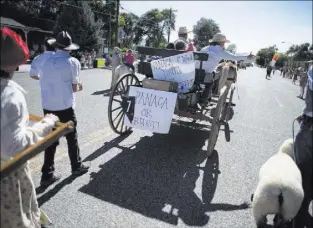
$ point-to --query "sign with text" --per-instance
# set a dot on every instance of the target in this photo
(178, 68)
(153, 110)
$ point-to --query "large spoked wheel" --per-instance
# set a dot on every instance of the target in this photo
(115, 110)
(216, 122)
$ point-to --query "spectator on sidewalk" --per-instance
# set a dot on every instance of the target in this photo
(39, 61)
(89, 61)
(303, 149)
(59, 82)
(302, 82)
(19, 206)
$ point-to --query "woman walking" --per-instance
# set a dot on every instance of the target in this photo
(19, 207)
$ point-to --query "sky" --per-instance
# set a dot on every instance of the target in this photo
(251, 25)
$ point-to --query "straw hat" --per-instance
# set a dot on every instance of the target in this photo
(14, 50)
(183, 30)
(219, 37)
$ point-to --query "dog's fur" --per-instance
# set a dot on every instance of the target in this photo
(279, 190)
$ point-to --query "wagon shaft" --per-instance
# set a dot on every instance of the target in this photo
(196, 116)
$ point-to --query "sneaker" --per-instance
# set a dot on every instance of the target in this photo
(81, 170)
(48, 181)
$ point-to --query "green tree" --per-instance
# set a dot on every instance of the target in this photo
(80, 23)
(265, 55)
(204, 30)
(302, 52)
(32, 7)
(129, 25)
(105, 12)
(153, 25)
(282, 59)
(232, 48)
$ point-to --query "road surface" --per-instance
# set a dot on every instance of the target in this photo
(152, 180)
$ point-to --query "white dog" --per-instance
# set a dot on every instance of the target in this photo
(279, 190)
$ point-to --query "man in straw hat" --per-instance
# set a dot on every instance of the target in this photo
(19, 206)
(216, 51)
(59, 81)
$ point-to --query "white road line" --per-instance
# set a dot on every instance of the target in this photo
(279, 103)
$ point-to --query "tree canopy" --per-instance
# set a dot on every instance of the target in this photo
(153, 25)
(204, 30)
(232, 48)
(265, 55)
(85, 31)
(302, 52)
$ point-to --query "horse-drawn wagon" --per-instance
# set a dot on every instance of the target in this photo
(172, 86)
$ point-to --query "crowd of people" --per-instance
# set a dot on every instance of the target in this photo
(58, 73)
(295, 74)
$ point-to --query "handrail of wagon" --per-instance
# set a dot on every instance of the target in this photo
(33, 150)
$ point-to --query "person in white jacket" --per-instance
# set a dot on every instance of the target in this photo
(216, 51)
(19, 207)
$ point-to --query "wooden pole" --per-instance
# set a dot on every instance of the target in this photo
(33, 150)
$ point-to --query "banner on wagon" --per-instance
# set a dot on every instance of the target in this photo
(153, 109)
(178, 68)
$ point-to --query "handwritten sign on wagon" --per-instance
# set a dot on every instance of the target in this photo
(178, 68)
(154, 110)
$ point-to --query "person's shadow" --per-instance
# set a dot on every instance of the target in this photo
(158, 178)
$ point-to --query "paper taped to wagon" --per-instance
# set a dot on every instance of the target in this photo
(153, 110)
(178, 68)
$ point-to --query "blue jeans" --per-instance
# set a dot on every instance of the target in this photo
(303, 153)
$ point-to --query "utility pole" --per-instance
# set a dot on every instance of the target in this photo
(110, 33)
(169, 27)
(116, 21)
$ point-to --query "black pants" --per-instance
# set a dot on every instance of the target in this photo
(72, 143)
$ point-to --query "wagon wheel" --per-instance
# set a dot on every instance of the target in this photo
(216, 122)
(115, 111)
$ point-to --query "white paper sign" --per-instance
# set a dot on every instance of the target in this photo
(154, 110)
(178, 68)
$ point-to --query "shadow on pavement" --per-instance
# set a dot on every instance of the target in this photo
(107, 146)
(158, 177)
(48, 195)
(106, 92)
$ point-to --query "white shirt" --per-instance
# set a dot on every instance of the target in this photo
(38, 63)
(59, 72)
(16, 135)
(216, 54)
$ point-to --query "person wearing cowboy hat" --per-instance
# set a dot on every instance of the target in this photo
(59, 81)
(182, 35)
(19, 206)
(216, 51)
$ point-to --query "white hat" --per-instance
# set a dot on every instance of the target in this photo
(219, 37)
(183, 30)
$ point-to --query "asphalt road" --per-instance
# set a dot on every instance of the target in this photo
(152, 180)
